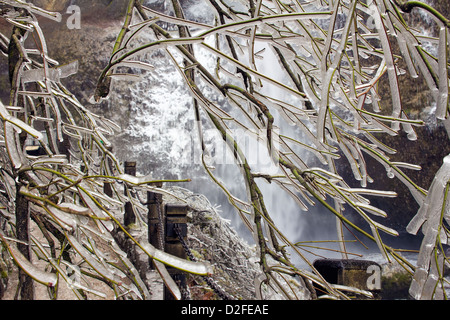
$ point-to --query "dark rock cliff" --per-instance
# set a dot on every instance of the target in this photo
(428, 151)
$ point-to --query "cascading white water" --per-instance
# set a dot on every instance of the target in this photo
(159, 132)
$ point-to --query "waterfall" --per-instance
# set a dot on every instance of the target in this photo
(159, 132)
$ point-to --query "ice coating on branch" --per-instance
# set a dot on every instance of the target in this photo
(135, 180)
(63, 219)
(89, 258)
(73, 208)
(95, 206)
(443, 100)
(126, 76)
(40, 75)
(136, 64)
(74, 284)
(311, 80)
(431, 287)
(428, 217)
(391, 69)
(62, 160)
(46, 278)
(371, 209)
(170, 283)
(434, 200)
(5, 115)
(201, 268)
(52, 74)
(22, 4)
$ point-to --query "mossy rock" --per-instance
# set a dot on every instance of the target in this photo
(396, 286)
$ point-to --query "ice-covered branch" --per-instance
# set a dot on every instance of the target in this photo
(322, 66)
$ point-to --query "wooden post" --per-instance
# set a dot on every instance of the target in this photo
(155, 220)
(26, 284)
(64, 146)
(176, 217)
(129, 217)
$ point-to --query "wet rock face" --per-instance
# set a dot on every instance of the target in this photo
(90, 42)
(89, 9)
(52, 5)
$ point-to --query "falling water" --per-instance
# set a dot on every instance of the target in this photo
(159, 132)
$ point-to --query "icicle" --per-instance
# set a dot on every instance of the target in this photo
(386, 229)
(73, 208)
(352, 289)
(429, 215)
(406, 54)
(46, 278)
(52, 74)
(375, 100)
(136, 64)
(69, 69)
(11, 146)
(442, 101)
(91, 204)
(424, 70)
(136, 180)
(35, 75)
(75, 284)
(371, 192)
(65, 220)
(259, 280)
(35, 94)
(178, 263)
(415, 190)
(390, 173)
(406, 165)
(377, 124)
(5, 115)
(434, 200)
(431, 287)
(391, 70)
(411, 134)
(371, 209)
(76, 135)
(352, 161)
(420, 276)
(54, 160)
(379, 243)
(126, 76)
(395, 92)
(87, 256)
(378, 143)
(132, 269)
(56, 16)
(300, 203)
(22, 4)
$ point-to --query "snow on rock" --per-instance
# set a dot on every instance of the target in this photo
(211, 238)
(235, 262)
